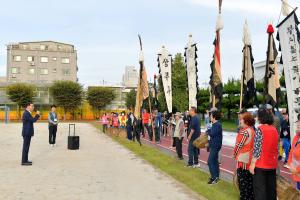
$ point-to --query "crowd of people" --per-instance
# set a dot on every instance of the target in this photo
(263, 140)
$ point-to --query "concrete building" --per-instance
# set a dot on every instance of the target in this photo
(130, 77)
(260, 69)
(41, 62)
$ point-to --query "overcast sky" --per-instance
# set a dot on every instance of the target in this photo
(105, 32)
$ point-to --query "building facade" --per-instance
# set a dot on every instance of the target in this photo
(41, 62)
(260, 69)
(130, 77)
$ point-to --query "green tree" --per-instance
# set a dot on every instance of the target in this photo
(68, 95)
(231, 96)
(162, 106)
(21, 94)
(99, 97)
(131, 99)
(203, 100)
(179, 84)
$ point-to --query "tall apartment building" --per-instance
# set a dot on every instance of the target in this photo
(130, 77)
(41, 62)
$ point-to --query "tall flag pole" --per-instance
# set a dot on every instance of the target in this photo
(191, 69)
(216, 76)
(142, 89)
(248, 90)
(165, 70)
(289, 40)
(272, 85)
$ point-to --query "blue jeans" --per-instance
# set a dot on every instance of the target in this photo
(298, 185)
(193, 153)
(213, 163)
(286, 145)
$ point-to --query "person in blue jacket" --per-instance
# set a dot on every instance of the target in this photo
(215, 134)
(28, 131)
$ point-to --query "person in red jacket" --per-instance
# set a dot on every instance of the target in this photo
(243, 155)
(294, 158)
(265, 157)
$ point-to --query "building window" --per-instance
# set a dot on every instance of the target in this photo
(17, 58)
(14, 70)
(54, 70)
(31, 71)
(54, 58)
(65, 60)
(58, 47)
(44, 59)
(66, 72)
(44, 71)
(43, 47)
(30, 58)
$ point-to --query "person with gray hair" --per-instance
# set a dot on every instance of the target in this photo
(179, 134)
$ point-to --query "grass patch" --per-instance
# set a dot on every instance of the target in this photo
(194, 179)
(228, 125)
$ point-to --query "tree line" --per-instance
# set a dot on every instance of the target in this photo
(66, 94)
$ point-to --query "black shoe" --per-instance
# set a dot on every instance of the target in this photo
(180, 158)
(26, 164)
(213, 181)
(29, 162)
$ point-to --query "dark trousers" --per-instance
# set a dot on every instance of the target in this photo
(148, 128)
(213, 162)
(157, 134)
(264, 184)
(245, 180)
(137, 136)
(26, 145)
(178, 144)
(104, 128)
(52, 134)
(193, 153)
(129, 132)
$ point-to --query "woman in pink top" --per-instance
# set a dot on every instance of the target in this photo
(104, 122)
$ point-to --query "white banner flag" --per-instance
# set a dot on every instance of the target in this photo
(289, 43)
(191, 67)
(164, 64)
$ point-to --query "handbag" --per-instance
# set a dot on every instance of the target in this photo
(201, 142)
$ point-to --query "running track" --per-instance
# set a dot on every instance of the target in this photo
(228, 164)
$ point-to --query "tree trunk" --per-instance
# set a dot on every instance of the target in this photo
(19, 112)
(65, 115)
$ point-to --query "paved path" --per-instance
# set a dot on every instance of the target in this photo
(101, 169)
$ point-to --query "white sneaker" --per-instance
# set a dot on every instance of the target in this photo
(196, 166)
(52, 145)
(55, 145)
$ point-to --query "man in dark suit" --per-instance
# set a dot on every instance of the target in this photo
(28, 131)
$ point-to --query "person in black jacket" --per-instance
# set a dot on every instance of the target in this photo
(28, 131)
(286, 137)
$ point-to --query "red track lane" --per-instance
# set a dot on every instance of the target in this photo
(228, 164)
